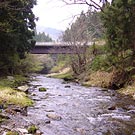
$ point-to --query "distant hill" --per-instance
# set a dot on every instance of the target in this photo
(53, 33)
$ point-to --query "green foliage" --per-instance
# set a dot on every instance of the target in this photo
(100, 63)
(32, 129)
(16, 81)
(94, 23)
(61, 63)
(42, 37)
(16, 32)
(12, 133)
(86, 27)
(36, 63)
(119, 20)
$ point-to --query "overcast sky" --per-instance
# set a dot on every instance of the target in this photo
(56, 14)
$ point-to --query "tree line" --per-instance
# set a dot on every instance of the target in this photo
(42, 37)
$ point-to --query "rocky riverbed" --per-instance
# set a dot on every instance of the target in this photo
(70, 109)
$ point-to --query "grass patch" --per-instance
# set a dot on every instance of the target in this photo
(128, 90)
(12, 133)
(10, 96)
(98, 79)
(59, 67)
(66, 76)
(13, 81)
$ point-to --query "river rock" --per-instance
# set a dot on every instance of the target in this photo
(47, 121)
(23, 131)
(54, 116)
(11, 78)
(4, 133)
(112, 108)
(131, 111)
(42, 89)
(80, 130)
(23, 88)
(67, 86)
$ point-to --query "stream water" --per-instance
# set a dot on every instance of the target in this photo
(71, 109)
(77, 110)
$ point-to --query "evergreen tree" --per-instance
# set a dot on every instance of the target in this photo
(16, 32)
(42, 37)
(119, 21)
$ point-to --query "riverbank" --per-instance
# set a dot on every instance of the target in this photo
(69, 108)
(14, 101)
(100, 79)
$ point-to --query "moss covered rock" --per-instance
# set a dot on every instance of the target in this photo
(12, 133)
(42, 89)
(32, 129)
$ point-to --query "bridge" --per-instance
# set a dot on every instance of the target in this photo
(57, 48)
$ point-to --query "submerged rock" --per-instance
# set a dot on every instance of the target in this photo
(54, 116)
(23, 131)
(112, 108)
(47, 121)
(42, 89)
(67, 86)
(80, 130)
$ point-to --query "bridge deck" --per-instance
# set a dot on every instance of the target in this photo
(56, 49)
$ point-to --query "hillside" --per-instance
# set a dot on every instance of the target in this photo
(53, 33)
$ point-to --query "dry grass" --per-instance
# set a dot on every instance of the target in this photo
(128, 90)
(98, 79)
(11, 96)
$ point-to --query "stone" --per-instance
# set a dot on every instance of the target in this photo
(42, 89)
(112, 108)
(23, 131)
(1, 106)
(11, 78)
(67, 86)
(80, 130)
(54, 116)
(49, 110)
(131, 111)
(33, 94)
(47, 121)
(23, 88)
(4, 133)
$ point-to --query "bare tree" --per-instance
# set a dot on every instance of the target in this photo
(96, 4)
(81, 34)
(77, 37)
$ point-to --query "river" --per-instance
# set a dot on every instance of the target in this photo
(71, 109)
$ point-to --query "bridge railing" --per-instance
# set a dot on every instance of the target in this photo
(62, 44)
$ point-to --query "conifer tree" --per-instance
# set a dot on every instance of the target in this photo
(17, 24)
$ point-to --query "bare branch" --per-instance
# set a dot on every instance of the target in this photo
(91, 3)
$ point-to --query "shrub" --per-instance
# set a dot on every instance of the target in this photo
(32, 129)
